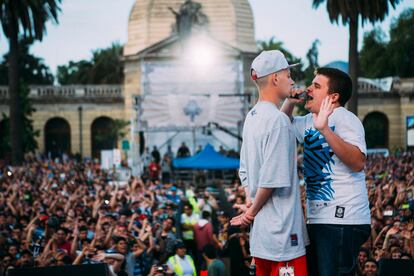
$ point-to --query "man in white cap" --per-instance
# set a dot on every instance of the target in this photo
(268, 173)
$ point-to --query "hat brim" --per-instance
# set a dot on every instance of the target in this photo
(255, 76)
(293, 65)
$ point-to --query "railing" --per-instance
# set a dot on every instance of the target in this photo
(70, 91)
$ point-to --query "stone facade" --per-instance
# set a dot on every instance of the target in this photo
(150, 37)
(64, 102)
(396, 106)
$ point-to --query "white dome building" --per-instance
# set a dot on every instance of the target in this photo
(230, 21)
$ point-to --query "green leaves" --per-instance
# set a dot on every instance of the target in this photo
(28, 132)
(105, 67)
(367, 10)
(30, 16)
(32, 69)
(395, 57)
(273, 44)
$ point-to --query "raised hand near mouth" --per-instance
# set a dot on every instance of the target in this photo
(320, 120)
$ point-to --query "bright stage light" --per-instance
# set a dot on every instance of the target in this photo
(200, 54)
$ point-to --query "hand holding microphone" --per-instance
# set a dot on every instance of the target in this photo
(298, 95)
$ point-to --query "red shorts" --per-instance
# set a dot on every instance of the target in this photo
(272, 268)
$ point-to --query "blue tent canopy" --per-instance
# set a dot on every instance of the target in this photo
(208, 159)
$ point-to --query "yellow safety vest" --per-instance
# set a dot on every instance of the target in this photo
(189, 234)
(177, 266)
(194, 203)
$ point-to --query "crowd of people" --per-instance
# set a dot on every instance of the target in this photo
(62, 213)
(390, 184)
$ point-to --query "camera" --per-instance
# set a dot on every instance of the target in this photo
(162, 268)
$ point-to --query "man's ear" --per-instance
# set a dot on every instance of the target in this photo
(274, 79)
(335, 97)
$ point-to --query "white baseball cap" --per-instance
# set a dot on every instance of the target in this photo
(268, 62)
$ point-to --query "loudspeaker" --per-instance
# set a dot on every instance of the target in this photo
(388, 267)
(67, 270)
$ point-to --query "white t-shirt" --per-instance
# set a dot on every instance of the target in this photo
(268, 160)
(335, 194)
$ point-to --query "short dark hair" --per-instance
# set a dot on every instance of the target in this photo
(67, 260)
(372, 261)
(339, 82)
(62, 229)
(172, 219)
(210, 251)
(366, 251)
(83, 228)
(179, 244)
(118, 239)
(205, 215)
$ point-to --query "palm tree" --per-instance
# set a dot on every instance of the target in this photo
(22, 19)
(351, 11)
(273, 44)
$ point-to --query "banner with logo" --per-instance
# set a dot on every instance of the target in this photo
(181, 111)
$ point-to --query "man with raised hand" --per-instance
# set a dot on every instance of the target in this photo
(338, 212)
(269, 174)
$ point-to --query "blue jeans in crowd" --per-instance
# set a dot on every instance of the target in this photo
(334, 248)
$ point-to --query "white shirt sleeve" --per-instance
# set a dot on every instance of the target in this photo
(299, 125)
(351, 130)
(275, 171)
(242, 169)
(170, 265)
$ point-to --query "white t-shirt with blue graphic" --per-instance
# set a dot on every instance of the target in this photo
(335, 194)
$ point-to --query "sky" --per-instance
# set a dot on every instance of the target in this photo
(92, 24)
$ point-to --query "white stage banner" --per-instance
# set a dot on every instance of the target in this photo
(171, 77)
(177, 111)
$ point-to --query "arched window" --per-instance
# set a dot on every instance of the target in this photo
(57, 137)
(103, 135)
(376, 130)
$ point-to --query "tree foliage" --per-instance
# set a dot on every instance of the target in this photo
(351, 12)
(29, 134)
(33, 71)
(105, 67)
(273, 44)
(22, 19)
(381, 57)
